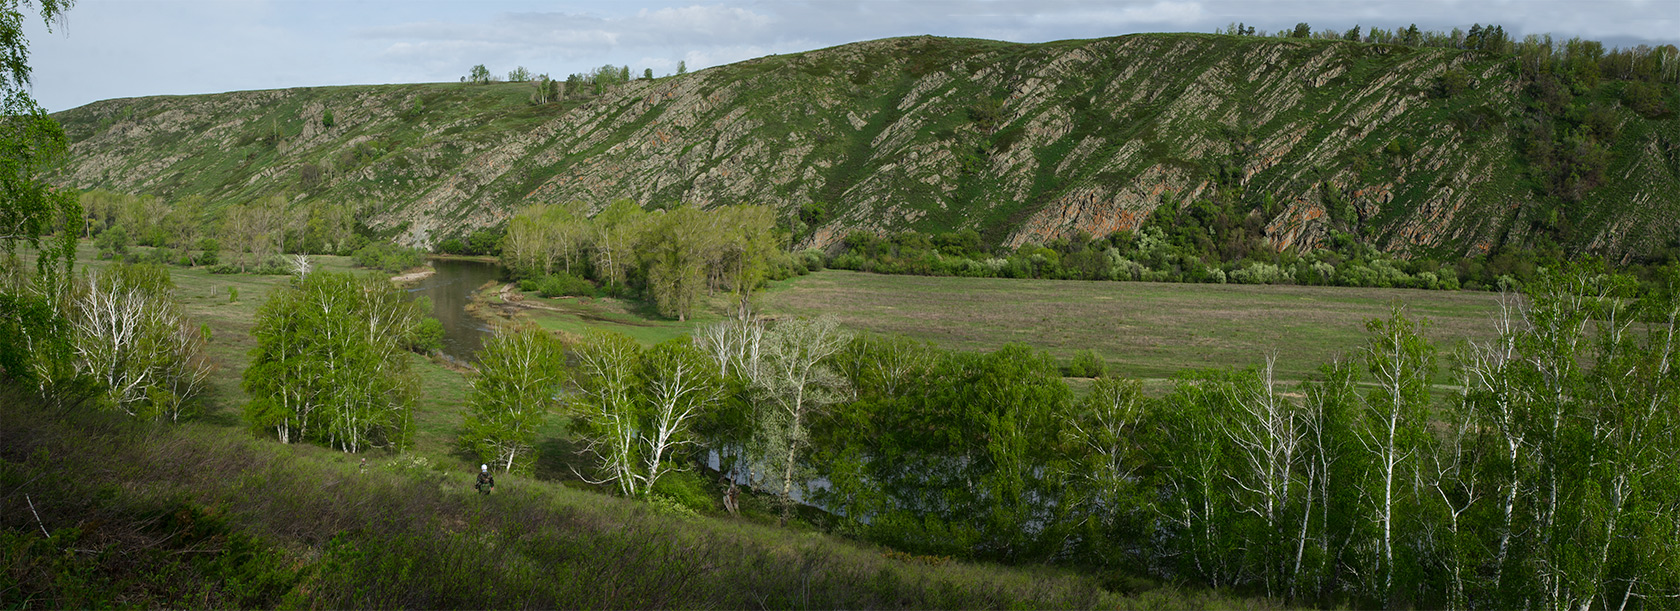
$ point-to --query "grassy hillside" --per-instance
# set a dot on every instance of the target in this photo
(1023, 142)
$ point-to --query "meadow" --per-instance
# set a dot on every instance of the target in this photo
(1144, 330)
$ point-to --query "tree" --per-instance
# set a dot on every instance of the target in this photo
(519, 75)
(617, 229)
(1266, 434)
(133, 338)
(647, 74)
(742, 255)
(479, 74)
(521, 372)
(682, 67)
(329, 365)
(1302, 30)
(673, 249)
(31, 209)
(796, 382)
(1392, 430)
(604, 408)
(679, 385)
(1105, 429)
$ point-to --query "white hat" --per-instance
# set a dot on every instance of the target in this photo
(484, 467)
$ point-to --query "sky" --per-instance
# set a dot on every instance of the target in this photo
(123, 48)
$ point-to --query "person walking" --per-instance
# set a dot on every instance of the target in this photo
(486, 483)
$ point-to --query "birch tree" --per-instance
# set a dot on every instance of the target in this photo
(796, 382)
(1191, 457)
(1391, 432)
(330, 366)
(1328, 408)
(1106, 432)
(1266, 434)
(605, 409)
(679, 385)
(616, 230)
(133, 338)
(521, 372)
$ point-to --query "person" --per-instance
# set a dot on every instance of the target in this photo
(486, 483)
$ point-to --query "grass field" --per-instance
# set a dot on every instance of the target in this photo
(1143, 329)
(339, 526)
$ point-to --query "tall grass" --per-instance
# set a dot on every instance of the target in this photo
(201, 515)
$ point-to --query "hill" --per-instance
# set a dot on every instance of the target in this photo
(1415, 150)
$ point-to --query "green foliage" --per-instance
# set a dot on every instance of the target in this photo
(388, 257)
(1452, 82)
(520, 375)
(327, 118)
(687, 490)
(479, 74)
(1644, 98)
(942, 459)
(564, 284)
(1087, 364)
(427, 337)
(329, 365)
(249, 533)
(635, 408)
(133, 339)
(113, 243)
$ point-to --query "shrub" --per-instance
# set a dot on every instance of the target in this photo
(1645, 98)
(1087, 364)
(563, 284)
(427, 337)
(687, 490)
(1259, 273)
(814, 259)
(388, 257)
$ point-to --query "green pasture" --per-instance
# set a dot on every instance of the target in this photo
(1143, 329)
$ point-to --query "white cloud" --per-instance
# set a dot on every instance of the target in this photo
(1164, 12)
(143, 47)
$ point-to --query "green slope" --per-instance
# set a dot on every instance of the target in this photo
(1024, 142)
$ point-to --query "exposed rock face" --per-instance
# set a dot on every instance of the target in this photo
(1022, 142)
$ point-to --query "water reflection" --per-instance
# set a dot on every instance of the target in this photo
(450, 289)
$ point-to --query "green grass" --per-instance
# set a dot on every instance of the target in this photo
(202, 515)
(1143, 329)
(579, 315)
(208, 513)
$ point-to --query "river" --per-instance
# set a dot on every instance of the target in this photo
(450, 289)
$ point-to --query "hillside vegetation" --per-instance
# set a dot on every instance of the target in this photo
(1411, 149)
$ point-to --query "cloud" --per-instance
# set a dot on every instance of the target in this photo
(1164, 12)
(117, 48)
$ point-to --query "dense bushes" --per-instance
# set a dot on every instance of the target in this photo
(564, 285)
(251, 526)
(388, 257)
(667, 256)
(1155, 255)
(1365, 485)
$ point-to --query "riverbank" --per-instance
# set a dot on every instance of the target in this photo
(413, 275)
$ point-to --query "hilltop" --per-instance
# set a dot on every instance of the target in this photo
(1414, 150)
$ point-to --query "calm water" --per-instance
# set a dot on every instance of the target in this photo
(450, 289)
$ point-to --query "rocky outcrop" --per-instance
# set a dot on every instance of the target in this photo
(1024, 143)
